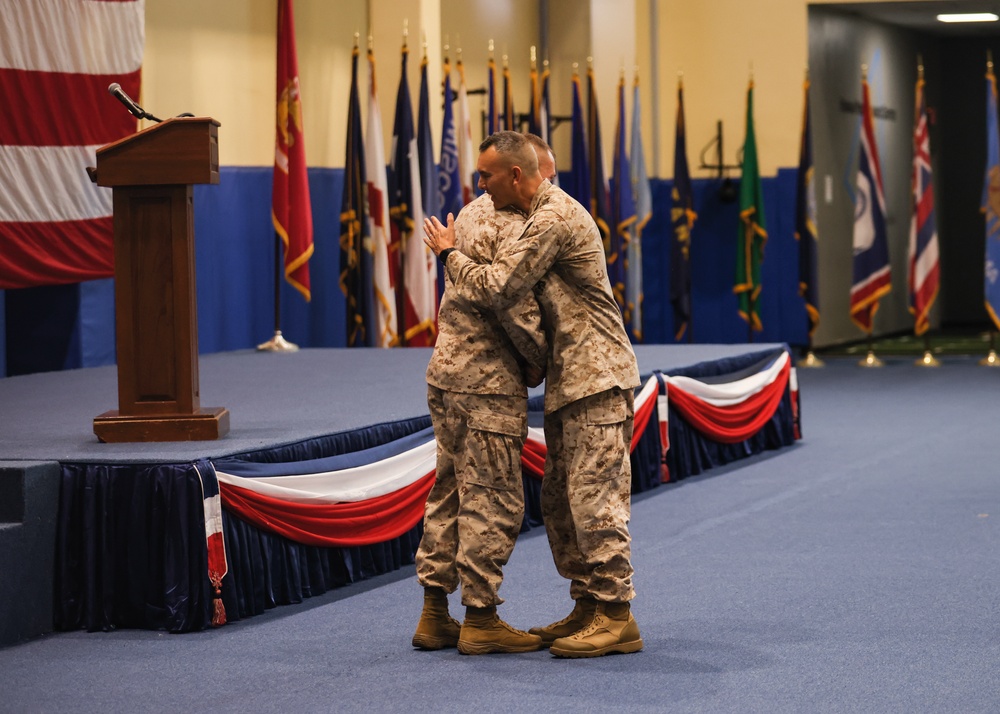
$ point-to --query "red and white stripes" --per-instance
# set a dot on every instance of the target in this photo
(57, 58)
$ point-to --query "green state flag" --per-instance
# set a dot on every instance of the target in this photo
(752, 231)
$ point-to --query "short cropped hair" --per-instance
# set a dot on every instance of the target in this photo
(539, 143)
(514, 148)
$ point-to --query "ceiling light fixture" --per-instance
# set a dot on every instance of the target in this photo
(968, 17)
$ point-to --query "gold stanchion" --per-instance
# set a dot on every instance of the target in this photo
(277, 344)
(810, 361)
(928, 360)
(990, 360)
(871, 360)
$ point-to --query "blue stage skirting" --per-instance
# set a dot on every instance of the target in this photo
(131, 544)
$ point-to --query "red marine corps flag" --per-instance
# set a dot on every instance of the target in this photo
(291, 212)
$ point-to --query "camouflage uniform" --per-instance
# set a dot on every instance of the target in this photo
(590, 376)
(478, 404)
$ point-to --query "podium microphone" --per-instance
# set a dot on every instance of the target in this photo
(116, 91)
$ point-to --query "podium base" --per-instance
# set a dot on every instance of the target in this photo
(204, 425)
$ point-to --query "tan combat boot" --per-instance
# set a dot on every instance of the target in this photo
(483, 632)
(583, 613)
(613, 629)
(436, 629)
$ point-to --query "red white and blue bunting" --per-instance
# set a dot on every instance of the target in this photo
(377, 494)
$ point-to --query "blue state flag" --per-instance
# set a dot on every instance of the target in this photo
(871, 279)
(356, 255)
(579, 178)
(622, 214)
(425, 149)
(449, 177)
(805, 222)
(991, 200)
(682, 217)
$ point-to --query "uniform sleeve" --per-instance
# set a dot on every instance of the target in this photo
(523, 324)
(518, 265)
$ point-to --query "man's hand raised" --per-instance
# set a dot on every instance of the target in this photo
(439, 237)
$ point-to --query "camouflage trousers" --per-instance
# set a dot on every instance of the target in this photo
(586, 494)
(474, 511)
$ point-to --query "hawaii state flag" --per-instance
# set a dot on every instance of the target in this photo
(291, 211)
(417, 302)
(356, 258)
(991, 200)
(56, 62)
(805, 222)
(871, 279)
(385, 272)
(682, 217)
(924, 268)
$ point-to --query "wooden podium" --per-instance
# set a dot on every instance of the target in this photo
(152, 173)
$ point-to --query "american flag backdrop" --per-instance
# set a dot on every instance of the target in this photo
(55, 224)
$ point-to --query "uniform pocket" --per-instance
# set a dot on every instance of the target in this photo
(607, 412)
(499, 423)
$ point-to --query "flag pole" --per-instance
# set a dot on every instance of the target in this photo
(870, 359)
(928, 359)
(277, 343)
(991, 360)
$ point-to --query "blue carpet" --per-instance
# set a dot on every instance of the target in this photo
(854, 572)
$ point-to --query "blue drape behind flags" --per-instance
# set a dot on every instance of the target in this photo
(805, 221)
(871, 279)
(579, 177)
(991, 201)
(449, 180)
(924, 270)
(356, 257)
(643, 212)
(622, 214)
(682, 217)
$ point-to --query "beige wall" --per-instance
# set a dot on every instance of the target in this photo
(217, 58)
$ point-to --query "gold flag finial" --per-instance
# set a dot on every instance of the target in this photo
(491, 49)
(534, 58)
(406, 30)
(864, 73)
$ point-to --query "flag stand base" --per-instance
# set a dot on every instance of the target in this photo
(928, 360)
(810, 361)
(277, 344)
(990, 360)
(871, 360)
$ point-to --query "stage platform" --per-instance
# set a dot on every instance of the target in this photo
(130, 547)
